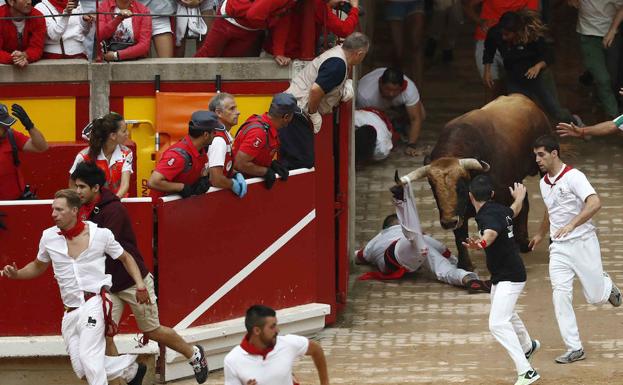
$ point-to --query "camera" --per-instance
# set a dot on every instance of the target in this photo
(345, 7)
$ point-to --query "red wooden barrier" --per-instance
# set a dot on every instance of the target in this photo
(206, 240)
(34, 307)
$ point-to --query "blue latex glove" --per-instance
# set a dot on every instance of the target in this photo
(240, 178)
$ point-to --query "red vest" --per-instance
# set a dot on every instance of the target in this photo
(228, 167)
(113, 172)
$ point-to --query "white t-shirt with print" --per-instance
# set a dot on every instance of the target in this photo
(276, 369)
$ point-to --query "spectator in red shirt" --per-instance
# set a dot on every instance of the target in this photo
(11, 180)
(181, 170)
(326, 21)
(257, 142)
(125, 37)
(240, 33)
(21, 40)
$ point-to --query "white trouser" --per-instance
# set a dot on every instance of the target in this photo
(579, 257)
(83, 333)
(505, 324)
(443, 268)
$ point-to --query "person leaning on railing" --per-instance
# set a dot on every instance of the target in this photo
(21, 40)
(65, 33)
(194, 18)
(123, 36)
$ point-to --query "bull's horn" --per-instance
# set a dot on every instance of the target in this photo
(415, 174)
(474, 164)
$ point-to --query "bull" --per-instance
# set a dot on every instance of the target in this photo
(497, 139)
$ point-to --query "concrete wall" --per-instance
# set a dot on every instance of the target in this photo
(100, 75)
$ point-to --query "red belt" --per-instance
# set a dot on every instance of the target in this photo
(87, 296)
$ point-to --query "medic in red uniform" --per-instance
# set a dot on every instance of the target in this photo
(181, 170)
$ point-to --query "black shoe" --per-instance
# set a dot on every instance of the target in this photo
(140, 373)
(477, 285)
(447, 55)
(200, 367)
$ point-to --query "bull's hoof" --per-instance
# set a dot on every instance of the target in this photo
(524, 247)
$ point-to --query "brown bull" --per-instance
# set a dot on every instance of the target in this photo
(496, 138)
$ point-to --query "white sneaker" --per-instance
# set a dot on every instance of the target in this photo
(529, 377)
(571, 356)
(536, 345)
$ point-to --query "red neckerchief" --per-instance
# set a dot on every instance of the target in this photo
(86, 209)
(396, 274)
(252, 349)
(73, 232)
(564, 171)
(60, 5)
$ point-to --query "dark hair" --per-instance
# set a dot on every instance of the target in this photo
(511, 21)
(72, 197)
(393, 76)
(256, 316)
(481, 188)
(365, 142)
(550, 142)
(102, 128)
(89, 173)
(195, 133)
(390, 221)
(217, 101)
(525, 23)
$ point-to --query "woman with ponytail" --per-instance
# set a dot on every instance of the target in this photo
(106, 147)
(519, 37)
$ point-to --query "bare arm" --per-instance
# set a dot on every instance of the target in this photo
(317, 354)
(518, 192)
(542, 233)
(37, 142)
(30, 271)
(244, 164)
(218, 179)
(315, 96)
(157, 181)
(600, 129)
(593, 204)
(488, 237)
(124, 186)
(614, 28)
(416, 116)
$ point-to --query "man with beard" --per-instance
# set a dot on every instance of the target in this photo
(570, 202)
(264, 357)
(102, 207)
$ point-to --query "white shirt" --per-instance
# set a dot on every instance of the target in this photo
(124, 32)
(375, 248)
(565, 200)
(218, 150)
(595, 16)
(384, 143)
(276, 369)
(369, 94)
(117, 156)
(20, 25)
(87, 271)
(71, 29)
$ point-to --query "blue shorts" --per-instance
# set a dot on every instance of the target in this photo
(400, 10)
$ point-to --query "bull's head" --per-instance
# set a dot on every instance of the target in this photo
(449, 178)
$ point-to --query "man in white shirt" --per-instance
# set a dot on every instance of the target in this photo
(401, 247)
(375, 125)
(77, 251)
(574, 251)
(265, 358)
(220, 153)
(388, 90)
